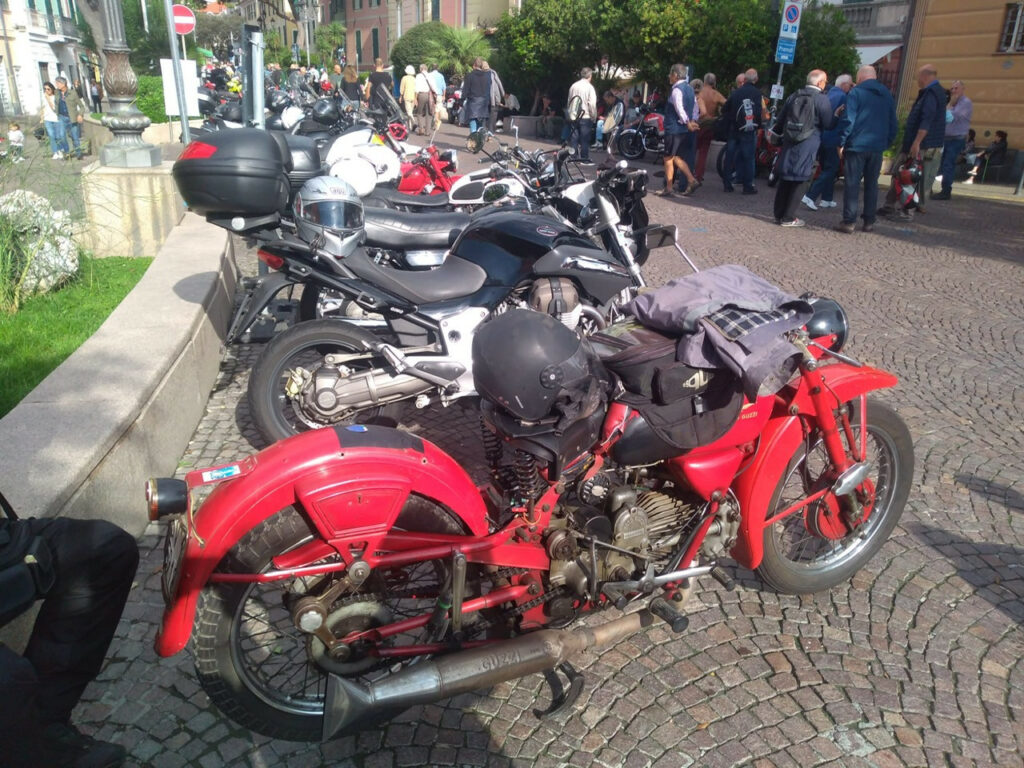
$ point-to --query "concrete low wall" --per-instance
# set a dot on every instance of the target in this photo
(123, 407)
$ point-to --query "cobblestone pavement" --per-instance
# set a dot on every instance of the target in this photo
(918, 661)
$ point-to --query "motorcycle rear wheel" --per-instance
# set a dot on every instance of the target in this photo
(258, 668)
(796, 560)
(631, 145)
(275, 414)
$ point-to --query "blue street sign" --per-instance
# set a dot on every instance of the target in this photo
(785, 51)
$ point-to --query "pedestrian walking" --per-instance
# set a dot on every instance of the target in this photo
(867, 127)
(97, 97)
(424, 102)
(476, 97)
(497, 96)
(52, 122)
(823, 187)
(72, 115)
(350, 84)
(959, 111)
(804, 116)
(680, 130)
(407, 91)
(378, 86)
(923, 135)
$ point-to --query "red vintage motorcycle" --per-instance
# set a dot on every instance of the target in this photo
(343, 575)
(429, 172)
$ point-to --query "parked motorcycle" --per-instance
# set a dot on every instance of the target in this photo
(647, 134)
(342, 576)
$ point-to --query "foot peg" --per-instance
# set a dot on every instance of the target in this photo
(615, 596)
(667, 613)
(560, 697)
(718, 574)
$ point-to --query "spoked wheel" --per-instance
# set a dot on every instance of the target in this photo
(631, 145)
(812, 549)
(284, 395)
(773, 170)
(268, 676)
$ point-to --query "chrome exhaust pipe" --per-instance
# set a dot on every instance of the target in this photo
(348, 702)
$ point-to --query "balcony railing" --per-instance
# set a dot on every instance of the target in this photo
(886, 18)
(69, 28)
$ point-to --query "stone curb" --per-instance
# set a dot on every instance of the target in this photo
(123, 407)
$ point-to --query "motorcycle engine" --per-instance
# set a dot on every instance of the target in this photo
(558, 297)
(651, 524)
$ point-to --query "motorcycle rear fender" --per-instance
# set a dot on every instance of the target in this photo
(266, 288)
(780, 438)
(351, 483)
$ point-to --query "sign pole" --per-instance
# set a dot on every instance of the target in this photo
(785, 50)
(179, 84)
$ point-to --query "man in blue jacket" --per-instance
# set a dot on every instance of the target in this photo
(923, 135)
(866, 129)
(828, 153)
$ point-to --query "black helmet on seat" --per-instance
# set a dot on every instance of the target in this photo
(325, 111)
(535, 368)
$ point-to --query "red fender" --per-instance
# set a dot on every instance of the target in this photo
(779, 439)
(352, 483)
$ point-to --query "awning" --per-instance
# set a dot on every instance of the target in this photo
(870, 54)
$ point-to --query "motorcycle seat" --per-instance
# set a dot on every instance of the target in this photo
(395, 197)
(388, 228)
(452, 280)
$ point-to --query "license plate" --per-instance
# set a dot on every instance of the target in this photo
(174, 553)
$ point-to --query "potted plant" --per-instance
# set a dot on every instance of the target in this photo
(889, 155)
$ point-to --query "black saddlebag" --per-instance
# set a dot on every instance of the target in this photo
(685, 407)
(238, 172)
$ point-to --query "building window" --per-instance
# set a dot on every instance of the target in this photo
(435, 10)
(359, 46)
(1012, 40)
(375, 42)
(357, 5)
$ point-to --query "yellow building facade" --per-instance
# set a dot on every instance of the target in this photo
(980, 42)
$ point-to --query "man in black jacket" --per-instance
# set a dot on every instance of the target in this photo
(84, 587)
(923, 135)
(744, 112)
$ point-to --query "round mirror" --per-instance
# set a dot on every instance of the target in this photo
(475, 141)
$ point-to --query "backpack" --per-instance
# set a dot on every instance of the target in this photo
(575, 109)
(800, 119)
(745, 120)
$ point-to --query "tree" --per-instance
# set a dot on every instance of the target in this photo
(275, 49)
(826, 42)
(414, 46)
(544, 45)
(146, 48)
(215, 32)
(328, 38)
(455, 50)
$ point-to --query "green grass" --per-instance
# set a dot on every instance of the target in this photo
(47, 329)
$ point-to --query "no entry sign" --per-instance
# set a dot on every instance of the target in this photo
(184, 19)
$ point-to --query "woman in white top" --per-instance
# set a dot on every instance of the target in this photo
(54, 127)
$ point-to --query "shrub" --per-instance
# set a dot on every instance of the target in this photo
(416, 46)
(150, 98)
(13, 265)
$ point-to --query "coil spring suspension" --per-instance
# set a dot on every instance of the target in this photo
(528, 481)
(492, 445)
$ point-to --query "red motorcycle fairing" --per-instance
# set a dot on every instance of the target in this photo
(351, 481)
(780, 438)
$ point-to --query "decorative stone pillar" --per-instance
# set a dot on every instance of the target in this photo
(120, 85)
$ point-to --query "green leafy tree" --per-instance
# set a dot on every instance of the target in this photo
(826, 42)
(415, 46)
(328, 38)
(544, 45)
(455, 49)
(275, 49)
(146, 48)
(215, 32)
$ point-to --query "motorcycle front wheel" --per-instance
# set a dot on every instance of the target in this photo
(265, 674)
(277, 414)
(798, 560)
(631, 145)
(773, 170)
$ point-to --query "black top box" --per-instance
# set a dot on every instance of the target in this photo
(239, 172)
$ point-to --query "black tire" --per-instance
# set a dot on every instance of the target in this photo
(720, 162)
(631, 144)
(891, 453)
(275, 415)
(254, 682)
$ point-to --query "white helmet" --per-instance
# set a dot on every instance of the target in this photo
(329, 208)
(358, 172)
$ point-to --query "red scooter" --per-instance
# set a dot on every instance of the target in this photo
(343, 575)
(429, 172)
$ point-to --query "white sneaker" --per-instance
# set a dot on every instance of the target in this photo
(56, 156)
(938, 179)
(969, 180)
(810, 203)
(828, 204)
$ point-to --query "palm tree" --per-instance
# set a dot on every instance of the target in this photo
(456, 48)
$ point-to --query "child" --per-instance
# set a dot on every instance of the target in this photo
(17, 139)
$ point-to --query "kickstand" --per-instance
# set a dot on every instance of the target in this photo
(560, 698)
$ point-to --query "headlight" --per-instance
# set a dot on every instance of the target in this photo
(829, 319)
